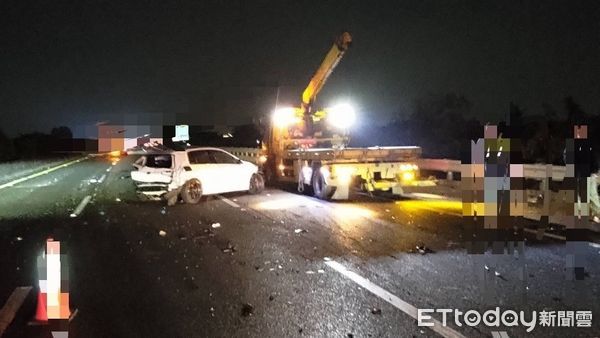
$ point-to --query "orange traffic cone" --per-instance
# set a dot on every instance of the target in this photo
(41, 313)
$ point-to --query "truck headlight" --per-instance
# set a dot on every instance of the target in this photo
(408, 176)
(341, 116)
(284, 117)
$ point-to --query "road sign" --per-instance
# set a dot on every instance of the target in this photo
(182, 132)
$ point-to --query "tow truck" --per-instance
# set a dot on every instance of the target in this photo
(308, 147)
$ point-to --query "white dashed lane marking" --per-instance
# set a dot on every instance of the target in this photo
(398, 303)
(228, 201)
(81, 206)
(13, 304)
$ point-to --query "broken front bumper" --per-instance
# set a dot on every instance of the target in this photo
(152, 190)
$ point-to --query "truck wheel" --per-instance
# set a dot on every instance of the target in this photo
(191, 192)
(320, 187)
(257, 184)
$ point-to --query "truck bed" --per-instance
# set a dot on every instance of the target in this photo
(354, 155)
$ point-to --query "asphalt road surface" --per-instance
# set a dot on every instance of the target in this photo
(279, 263)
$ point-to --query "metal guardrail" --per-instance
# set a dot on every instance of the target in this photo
(541, 172)
(246, 154)
(442, 165)
(535, 171)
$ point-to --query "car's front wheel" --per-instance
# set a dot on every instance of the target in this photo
(191, 192)
(257, 184)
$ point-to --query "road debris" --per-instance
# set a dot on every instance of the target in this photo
(229, 248)
(487, 268)
(117, 199)
(300, 231)
(247, 309)
(321, 271)
(212, 311)
(310, 272)
(376, 311)
(19, 238)
(422, 249)
(216, 225)
(163, 210)
(162, 233)
(271, 297)
(497, 274)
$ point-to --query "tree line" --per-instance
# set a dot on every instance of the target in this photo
(444, 125)
(34, 145)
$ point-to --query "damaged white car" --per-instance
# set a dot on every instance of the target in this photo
(193, 173)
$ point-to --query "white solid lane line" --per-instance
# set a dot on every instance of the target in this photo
(49, 170)
(228, 201)
(81, 205)
(403, 306)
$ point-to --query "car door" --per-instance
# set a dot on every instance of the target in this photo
(205, 170)
(232, 176)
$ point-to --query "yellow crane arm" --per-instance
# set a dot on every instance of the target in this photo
(331, 60)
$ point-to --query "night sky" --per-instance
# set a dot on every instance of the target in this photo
(204, 62)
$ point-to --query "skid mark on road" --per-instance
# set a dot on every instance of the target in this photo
(398, 303)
